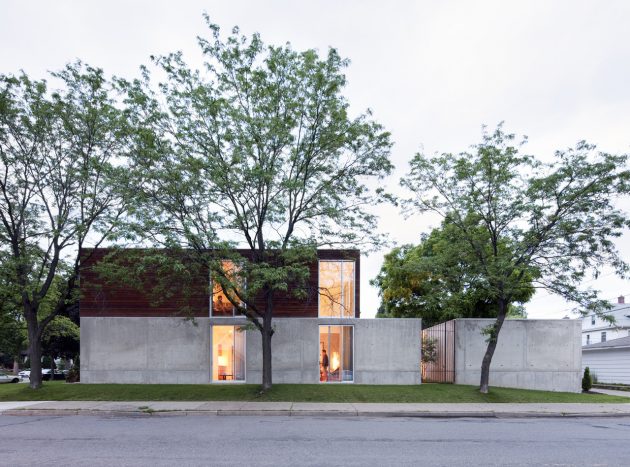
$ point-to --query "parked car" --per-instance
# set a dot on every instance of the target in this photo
(46, 372)
(47, 375)
(4, 378)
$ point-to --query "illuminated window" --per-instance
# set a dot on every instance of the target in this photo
(336, 289)
(228, 354)
(220, 304)
(336, 354)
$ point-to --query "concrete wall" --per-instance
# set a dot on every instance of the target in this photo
(530, 354)
(144, 350)
(171, 350)
(609, 365)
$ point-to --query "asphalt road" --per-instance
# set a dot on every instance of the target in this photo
(280, 441)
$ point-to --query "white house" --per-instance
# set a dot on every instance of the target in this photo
(596, 330)
(609, 361)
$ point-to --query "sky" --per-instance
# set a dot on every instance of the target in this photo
(431, 72)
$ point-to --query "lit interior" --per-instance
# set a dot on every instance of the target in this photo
(228, 351)
(336, 347)
(336, 289)
(221, 305)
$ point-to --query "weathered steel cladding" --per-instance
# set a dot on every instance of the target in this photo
(103, 298)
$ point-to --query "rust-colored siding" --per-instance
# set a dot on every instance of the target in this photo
(101, 298)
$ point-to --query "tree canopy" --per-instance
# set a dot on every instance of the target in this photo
(435, 281)
(62, 155)
(519, 216)
(259, 151)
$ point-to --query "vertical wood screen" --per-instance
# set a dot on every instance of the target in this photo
(442, 370)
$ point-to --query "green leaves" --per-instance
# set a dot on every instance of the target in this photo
(522, 220)
(439, 279)
(257, 150)
(63, 184)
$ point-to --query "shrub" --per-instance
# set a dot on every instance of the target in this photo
(429, 350)
(74, 374)
(587, 381)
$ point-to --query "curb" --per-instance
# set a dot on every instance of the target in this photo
(305, 413)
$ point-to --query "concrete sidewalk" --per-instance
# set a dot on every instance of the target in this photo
(164, 408)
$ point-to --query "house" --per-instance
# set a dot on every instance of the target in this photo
(608, 361)
(596, 330)
(125, 338)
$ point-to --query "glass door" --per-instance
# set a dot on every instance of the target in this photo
(336, 354)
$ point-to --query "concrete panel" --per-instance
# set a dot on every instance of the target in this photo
(172, 350)
(144, 350)
(530, 354)
(185, 344)
(387, 351)
(294, 357)
(111, 344)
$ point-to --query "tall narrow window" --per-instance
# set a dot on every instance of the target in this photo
(220, 304)
(336, 354)
(588, 339)
(593, 320)
(603, 337)
(228, 354)
(336, 289)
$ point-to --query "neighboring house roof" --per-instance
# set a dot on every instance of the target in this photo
(611, 344)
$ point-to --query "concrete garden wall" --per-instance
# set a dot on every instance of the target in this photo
(172, 350)
(530, 354)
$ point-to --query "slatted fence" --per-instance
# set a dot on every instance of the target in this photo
(441, 338)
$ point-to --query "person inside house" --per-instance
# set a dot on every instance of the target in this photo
(324, 372)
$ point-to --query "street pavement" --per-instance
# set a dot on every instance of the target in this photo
(170, 408)
(312, 440)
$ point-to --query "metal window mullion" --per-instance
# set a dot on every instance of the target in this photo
(341, 288)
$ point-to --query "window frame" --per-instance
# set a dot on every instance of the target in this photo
(354, 283)
(228, 381)
(210, 304)
(603, 336)
(353, 350)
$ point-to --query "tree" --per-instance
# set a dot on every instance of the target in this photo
(61, 338)
(61, 163)
(434, 281)
(519, 216)
(12, 329)
(257, 151)
(587, 380)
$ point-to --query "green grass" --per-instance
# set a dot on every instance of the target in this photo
(59, 390)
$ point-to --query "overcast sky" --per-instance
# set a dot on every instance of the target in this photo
(432, 72)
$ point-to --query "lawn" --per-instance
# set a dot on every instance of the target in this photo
(58, 390)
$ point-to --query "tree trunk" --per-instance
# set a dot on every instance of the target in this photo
(35, 356)
(267, 333)
(266, 349)
(16, 366)
(492, 345)
(34, 350)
